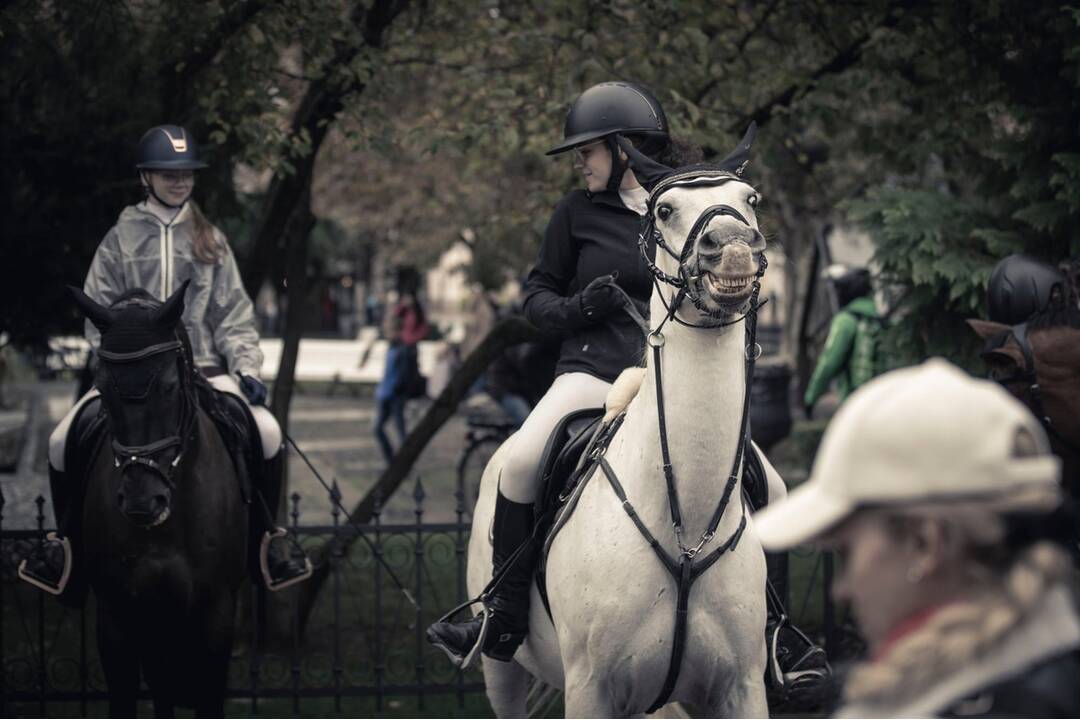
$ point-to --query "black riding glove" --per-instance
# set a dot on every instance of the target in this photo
(253, 389)
(600, 298)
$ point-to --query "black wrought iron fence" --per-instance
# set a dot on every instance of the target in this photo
(362, 643)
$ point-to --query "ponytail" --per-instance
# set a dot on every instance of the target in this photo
(208, 248)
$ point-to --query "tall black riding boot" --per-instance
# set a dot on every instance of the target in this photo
(797, 668)
(508, 603)
(281, 561)
(52, 565)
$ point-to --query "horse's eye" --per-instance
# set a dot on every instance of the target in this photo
(752, 201)
(664, 211)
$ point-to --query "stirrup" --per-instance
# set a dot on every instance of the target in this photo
(264, 564)
(464, 662)
(791, 681)
(65, 574)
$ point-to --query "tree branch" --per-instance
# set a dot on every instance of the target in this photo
(846, 58)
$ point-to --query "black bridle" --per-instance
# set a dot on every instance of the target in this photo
(145, 455)
(1029, 378)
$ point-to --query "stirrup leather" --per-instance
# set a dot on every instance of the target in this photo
(264, 564)
(64, 575)
(464, 662)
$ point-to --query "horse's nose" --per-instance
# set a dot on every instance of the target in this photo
(144, 511)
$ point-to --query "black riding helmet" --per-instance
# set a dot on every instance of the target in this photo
(615, 107)
(1019, 287)
(168, 147)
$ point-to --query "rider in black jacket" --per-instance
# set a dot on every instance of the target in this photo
(589, 250)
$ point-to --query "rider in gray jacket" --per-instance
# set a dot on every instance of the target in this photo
(158, 245)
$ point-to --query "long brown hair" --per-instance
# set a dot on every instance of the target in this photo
(208, 248)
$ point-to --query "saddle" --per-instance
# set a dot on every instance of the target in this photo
(569, 457)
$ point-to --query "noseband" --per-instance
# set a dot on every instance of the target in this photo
(145, 455)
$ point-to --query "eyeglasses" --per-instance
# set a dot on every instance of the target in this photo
(177, 177)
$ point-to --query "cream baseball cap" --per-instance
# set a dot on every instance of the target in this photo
(927, 433)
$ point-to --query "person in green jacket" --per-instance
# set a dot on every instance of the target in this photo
(850, 351)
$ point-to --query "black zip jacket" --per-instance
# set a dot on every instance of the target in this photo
(590, 235)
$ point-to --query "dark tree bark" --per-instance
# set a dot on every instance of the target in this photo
(506, 333)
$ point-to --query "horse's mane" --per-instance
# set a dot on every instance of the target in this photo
(1064, 308)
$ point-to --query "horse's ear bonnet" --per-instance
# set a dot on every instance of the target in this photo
(650, 173)
(136, 320)
(102, 317)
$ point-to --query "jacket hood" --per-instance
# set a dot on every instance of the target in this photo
(862, 306)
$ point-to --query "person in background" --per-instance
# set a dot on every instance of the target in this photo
(390, 392)
(409, 309)
(940, 497)
(850, 353)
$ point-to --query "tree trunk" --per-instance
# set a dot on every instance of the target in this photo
(506, 333)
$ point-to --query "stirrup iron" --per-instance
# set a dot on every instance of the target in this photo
(65, 574)
(466, 661)
(264, 564)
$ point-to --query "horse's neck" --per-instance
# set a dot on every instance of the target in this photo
(703, 379)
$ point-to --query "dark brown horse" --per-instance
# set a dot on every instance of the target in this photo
(165, 526)
(1045, 375)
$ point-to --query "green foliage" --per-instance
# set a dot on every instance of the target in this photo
(997, 172)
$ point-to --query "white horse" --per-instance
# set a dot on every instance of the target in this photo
(612, 600)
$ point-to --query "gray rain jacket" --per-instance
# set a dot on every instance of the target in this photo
(143, 252)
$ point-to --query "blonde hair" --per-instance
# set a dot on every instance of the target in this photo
(1008, 585)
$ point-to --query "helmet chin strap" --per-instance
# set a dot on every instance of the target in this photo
(618, 166)
(149, 187)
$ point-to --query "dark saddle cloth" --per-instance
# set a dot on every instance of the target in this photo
(571, 454)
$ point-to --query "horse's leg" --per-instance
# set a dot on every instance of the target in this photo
(744, 700)
(119, 660)
(216, 648)
(587, 696)
(507, 687)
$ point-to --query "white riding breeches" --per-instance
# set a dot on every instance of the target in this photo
(569, 392)
(58, 439)
(269, 430)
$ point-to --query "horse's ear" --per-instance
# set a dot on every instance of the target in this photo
(173, 308)
(647, 171)
(986, 329)
(100, 315)
(738, 158)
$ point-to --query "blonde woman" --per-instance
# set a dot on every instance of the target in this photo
(940, 497)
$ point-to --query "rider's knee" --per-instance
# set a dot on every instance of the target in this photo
(269, 431)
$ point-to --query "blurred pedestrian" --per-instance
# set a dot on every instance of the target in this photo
(390, 393)
(850, 353)
(408, 309)
(941, 499)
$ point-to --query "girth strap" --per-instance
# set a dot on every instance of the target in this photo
(684, 571)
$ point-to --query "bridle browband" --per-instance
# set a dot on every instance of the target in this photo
(126, 456)
(686, 567)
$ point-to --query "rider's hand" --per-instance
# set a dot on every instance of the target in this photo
(600, 298)
(253, 389)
